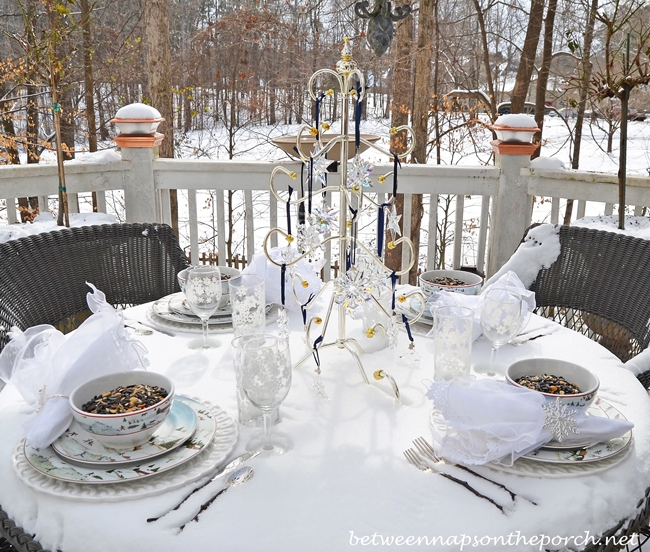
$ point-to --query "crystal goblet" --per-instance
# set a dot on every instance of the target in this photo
(500, 320)
(265, 365)
(203, 293)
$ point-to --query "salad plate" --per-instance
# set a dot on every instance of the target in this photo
(178, 305)
(48, 463)
(79, 447)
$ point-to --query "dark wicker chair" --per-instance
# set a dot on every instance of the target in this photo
(600, 286)
(43, 281)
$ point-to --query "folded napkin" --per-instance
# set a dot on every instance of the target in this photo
(508, 281)
(303, 271)
(46, 366)
(481, 421)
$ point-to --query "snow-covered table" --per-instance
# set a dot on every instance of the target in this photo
(346, 484)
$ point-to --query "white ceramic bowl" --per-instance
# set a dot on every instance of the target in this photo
(473, 282)
(573, 373)
(225, 286)
(121, 430)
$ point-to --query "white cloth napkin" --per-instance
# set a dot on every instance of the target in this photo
(509, 281)
(46, 366)
(484, 420)
(303, 270)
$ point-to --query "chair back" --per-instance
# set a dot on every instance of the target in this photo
(600, 286)
(43, 277)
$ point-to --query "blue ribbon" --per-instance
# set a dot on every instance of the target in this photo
(396, 163)
(289, 211)
(303, 309)
(319, 99)
(358, 109)
(408, 327)
(310, 183)
(393, 283)
(283, 272)
(380, 227)
(314, 349)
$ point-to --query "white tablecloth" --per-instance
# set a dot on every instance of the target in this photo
(346, 484)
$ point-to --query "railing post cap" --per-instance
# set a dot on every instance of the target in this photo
(513, 148)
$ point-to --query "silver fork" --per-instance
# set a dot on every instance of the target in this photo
(416, 460)
(428, 451)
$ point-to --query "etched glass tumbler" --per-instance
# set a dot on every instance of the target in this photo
(265, 365)
(203, 293)
(500, 320)
(247, 301)
(452, 338)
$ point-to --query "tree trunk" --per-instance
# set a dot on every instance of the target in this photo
(486, 60)
(542, 78)
(527, 60)
(156, 23)
(582, 104)
(421, 112)
(402, 96)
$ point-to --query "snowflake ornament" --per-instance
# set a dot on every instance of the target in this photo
(352, 289)
(308, 238)
(322, 217)
(560, 419)
(283, 325)
(358, 176)
(392, 224)
(392, 331)
(320, 164)
(287, 256)
(375, 274)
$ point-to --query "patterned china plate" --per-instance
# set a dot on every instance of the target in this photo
(200, 465)
(79, 447)
(178, 305)
(159, 316)
(48, 463)
(162, 309)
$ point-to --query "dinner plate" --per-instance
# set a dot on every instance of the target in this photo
(211, 456)
(159, 316)
(178, 305)
(79, 447)
(49, 463)
(161, 309)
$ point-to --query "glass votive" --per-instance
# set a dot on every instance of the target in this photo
(248, 413)
(248, 304)
(452, 341)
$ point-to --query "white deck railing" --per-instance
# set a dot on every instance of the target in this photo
(146, 180)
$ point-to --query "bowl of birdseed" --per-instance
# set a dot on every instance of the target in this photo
(556, 379)
(124, 409)
(458, 281)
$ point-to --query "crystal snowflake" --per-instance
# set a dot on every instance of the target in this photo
(320, 165)
(288, 255)
(359, 174)
(283, 324)
(560, 419)
(308, 238)
(323, 217)
(374, 273)
(392, 224)
(352, 289)
(392, 331)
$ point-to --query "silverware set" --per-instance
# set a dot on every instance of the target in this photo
(425, 458)
(237, 474)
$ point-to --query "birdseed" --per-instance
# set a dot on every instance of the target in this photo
(548, 383)
(125, 399)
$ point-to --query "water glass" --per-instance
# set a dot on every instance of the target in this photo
(264, 365)
(452, 338)
(248, 304)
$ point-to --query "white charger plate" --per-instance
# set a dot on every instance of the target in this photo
(144, 480)
(79, 447)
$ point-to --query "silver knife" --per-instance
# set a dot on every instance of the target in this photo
(226, 469)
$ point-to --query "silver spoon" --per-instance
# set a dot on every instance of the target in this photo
(237, 477)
